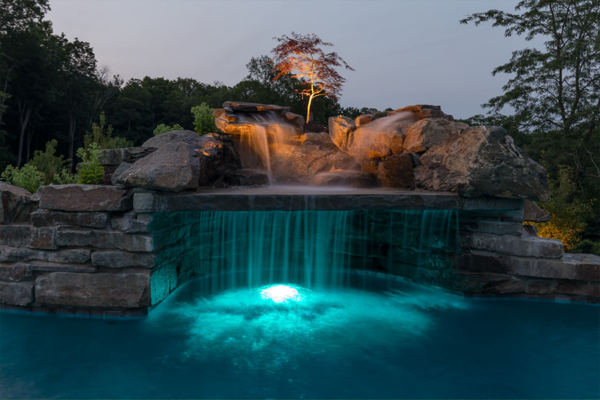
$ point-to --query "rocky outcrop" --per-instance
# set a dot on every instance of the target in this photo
(482, 161)
(14, 203)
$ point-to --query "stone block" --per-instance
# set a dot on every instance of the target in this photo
(14, 272)
(87, 219)
(15, 235)
(85, 198)
(14, 202)
(43, 238)
(129, 223)
(47, 266)
(123, 290)
(124, 166)
(499, 227)
(121, 259)
(104, 240)
(10, 254)
(533, 213)
(16, 293)
(526, 246)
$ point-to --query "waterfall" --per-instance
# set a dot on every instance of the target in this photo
(257, 145)
(308, 248)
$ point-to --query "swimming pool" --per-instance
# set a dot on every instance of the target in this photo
(376, 338)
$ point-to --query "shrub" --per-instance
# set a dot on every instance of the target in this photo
(28, 177)
(162, 128)
(102, 138)
(204, 122)
(65, 177)
(587, 246)
(48, 163)
(568, 212)
(90, 170)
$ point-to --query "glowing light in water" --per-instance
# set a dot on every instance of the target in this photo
(281, 293)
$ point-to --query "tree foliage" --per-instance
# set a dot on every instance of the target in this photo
(303, 58)
(90, 170)
(554, 91)
(162, 128)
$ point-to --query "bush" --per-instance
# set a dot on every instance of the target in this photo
(28, 177)
(587, 246)
(569, 214)
(48, 163)
(90, 170)
(204, 122)
(104, 140)
(162, 128)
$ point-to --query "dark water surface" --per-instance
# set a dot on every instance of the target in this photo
(392, 341)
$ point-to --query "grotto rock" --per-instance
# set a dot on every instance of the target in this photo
(172, 168)
(293, 119)
(14, 272)
(85, 198)
(123, 290)
(430, 132)
(69, 237)
(482, 161)
(14, 203)
(351, 178)
(397, 172)
(216, 158)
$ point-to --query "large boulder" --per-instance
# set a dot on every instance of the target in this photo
(423, 111)
(184, 160)
(172, 168)
(482, 161)
(14, 203)
(430, 132)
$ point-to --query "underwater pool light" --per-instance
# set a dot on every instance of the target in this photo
(281, 293)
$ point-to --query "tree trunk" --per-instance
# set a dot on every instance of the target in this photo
(72, 125)
(24, 114)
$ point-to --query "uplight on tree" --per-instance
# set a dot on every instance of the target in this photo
(302, 56)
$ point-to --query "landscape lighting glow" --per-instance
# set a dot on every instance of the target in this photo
(281, 294)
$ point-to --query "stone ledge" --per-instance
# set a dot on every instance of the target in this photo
(121, 259)
(86, 219)
(581, 267)
(300, 199)
(524, 246)
(123, 290)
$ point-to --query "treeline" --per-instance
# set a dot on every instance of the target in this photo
(53, 89)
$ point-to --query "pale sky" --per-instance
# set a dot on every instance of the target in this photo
(404, 51)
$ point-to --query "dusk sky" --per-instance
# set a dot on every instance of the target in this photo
(404, 52)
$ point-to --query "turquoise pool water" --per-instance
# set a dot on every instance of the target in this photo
(375, 339)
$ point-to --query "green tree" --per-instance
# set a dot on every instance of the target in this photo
(49, 163)
(204, 121)
(90, 170)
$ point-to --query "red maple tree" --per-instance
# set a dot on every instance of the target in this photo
(301, 56)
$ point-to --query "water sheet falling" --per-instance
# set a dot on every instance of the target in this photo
(308, 248)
